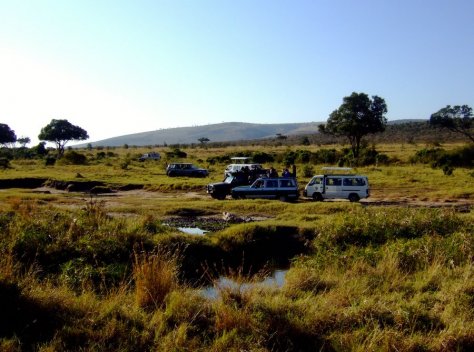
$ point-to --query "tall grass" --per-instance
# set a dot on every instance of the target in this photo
(369, 278)
(155, 276)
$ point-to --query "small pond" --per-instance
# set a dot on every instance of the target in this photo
(276, 279)
(192, 230)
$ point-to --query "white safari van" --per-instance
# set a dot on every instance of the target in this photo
(337, 186)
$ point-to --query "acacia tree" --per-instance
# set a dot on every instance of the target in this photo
(60, 132)
(7, 135)
(357, 116)
(203, 140)
(23, 141)
(457, 119)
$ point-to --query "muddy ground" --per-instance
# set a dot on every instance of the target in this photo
(112, 196)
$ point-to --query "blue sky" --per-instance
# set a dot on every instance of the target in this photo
(116, 67)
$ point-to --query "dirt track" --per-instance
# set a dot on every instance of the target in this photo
(463, 205)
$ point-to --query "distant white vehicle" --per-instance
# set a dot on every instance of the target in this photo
(150, 156)
(337, 186)
(239, 163)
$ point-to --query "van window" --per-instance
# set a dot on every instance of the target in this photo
(333, 181)
(272, 184)
(360, 182)
(354, 181)
(286, 183)
(316, 181)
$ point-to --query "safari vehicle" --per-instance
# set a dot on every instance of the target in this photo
(337, 186)
(185, 169)
(282, 188)
(150, 156)
(220, 190)
(240, 163)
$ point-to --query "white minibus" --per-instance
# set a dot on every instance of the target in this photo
(337, 186)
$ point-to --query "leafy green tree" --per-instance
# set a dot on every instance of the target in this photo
(357, 117)
(24, 141)
(458, 119)
(203, 140)
(60, 132)
(7, 135)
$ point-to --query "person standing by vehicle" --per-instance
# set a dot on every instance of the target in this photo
(286, 173)
(272, 173)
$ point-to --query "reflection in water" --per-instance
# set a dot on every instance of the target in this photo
(277, 279)
(192, 230)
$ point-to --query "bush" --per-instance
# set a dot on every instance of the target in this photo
(72, 157)
(4, 163)
(380, 225)
(262, 157)
(427, 156)
(176, 153)
(308, 171)
(325, 156)
(49, 161)
(439, 158)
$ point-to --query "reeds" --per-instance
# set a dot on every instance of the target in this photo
(155, 276)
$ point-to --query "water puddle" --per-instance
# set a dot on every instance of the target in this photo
(276, 280)
(192, 230)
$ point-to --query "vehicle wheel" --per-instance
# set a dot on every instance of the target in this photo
(220, 196)
(318, 197)
(353, 197)
(283, 199)
(171, 174)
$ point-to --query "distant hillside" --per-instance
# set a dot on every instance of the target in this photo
(221, 132)
(241, 131)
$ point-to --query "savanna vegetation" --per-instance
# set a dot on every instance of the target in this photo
(91, 258)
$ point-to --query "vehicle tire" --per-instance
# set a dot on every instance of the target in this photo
(171, 174)
(317, 197)
(220, 196)
(353, 197)
(283, 199)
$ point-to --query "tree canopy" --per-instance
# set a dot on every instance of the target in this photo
(203, 140)
(456, 118)
(60, 132)
(357, 116)
(7, 135)
(23, 141)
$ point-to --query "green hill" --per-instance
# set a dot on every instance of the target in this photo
(397, 130)
(221, 132)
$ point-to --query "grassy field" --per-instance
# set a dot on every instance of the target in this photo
(106, 272)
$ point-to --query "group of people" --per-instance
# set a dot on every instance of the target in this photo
(252, 174)
(273, 173)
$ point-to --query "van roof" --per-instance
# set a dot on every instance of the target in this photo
(333, 170)
(342, 175)
(240, 158)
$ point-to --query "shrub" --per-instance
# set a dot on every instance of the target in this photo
(176, 153)
(49, 161)
(378, 226)
(325, 156)
(427, 156)
(72, 157)
(308, 171)
(4, 163)
(262, 157)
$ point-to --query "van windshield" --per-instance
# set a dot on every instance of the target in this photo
(316, 181)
